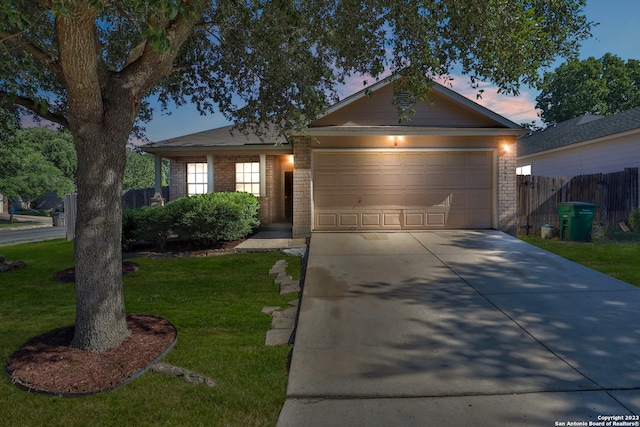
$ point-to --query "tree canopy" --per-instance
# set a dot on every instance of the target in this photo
(28, 172)
(597, 86)
(93, 65)
(56, 145)
(140, 170)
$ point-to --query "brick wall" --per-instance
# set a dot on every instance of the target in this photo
(507, 188)
(301, 188)
(224, 179)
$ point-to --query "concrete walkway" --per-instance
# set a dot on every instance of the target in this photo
(274, 237)
(452, 328)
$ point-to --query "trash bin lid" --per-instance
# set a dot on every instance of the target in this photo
(583, 204)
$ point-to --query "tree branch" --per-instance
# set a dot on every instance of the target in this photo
(150, 65)
(220, 25)
(31, 105)
(37, 53)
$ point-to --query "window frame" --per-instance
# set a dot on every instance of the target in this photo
(197, 178)
(247, 177)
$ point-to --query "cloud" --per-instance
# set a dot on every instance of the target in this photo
(519, 109)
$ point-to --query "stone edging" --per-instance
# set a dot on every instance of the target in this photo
(282, 321)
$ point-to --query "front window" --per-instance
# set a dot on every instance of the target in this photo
(248, 177)
(523, 170)
(196, 178)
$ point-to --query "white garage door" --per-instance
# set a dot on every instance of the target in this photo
(402, 190)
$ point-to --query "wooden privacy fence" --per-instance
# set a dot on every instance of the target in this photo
(616, 194)
(131, 199)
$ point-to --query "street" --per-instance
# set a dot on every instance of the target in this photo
(12, 237)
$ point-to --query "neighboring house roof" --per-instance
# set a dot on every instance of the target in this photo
(224, 138)
(579, 129)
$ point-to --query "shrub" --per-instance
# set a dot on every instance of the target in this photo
(634, 220)
(149, 223)
(207, 218)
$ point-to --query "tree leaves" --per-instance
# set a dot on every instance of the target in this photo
(597, 86)
(282, 61)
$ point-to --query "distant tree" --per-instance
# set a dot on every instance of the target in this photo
(27, 173)
(598, 86)
(140, 170)
(90, 66)
(56, 145)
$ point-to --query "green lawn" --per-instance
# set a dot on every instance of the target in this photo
(617, 258)
(215, 304)
(7, 224)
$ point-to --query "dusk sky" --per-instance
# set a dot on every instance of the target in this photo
(618, 33)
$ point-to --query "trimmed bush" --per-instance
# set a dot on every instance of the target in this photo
(202, 219)
(207, 218)
(150, 223)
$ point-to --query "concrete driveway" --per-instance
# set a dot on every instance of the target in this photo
(459, 328)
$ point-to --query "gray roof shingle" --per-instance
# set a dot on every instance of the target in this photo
(579, 129)
(225, 136)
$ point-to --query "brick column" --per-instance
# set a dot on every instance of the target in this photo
(507, 191)
(301, 188)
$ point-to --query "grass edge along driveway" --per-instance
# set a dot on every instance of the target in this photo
(215, 304)
(619, 259)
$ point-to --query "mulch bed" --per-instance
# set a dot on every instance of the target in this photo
(47, 364)
(69, 275)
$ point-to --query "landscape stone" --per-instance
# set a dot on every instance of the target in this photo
(290, 288)
(278, 322)
(270, 309)
(300, 251)
(279, 267)
(276, 337)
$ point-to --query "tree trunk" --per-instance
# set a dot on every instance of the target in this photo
(100, 312)
(102, 107)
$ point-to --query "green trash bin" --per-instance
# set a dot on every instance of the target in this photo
(576, 220)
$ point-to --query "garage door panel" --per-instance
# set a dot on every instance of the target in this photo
(482, 159)
(414, 179)
(372, 219)
(415, 160)
(411, 190)
(326, 220)
(435, 159)
(348, 160)
(370, 180)
(392, 200)
(329, 201)
(392, 180)
(369, 199)
(392, 159)
(370, 160)
(456, 159)
(325, 180)
(435, 180)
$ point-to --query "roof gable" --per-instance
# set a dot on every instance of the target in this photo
(579, 129)
(444, 109)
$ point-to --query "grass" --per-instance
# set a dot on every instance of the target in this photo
(7, 224)
(215, 304)
(618, 255)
